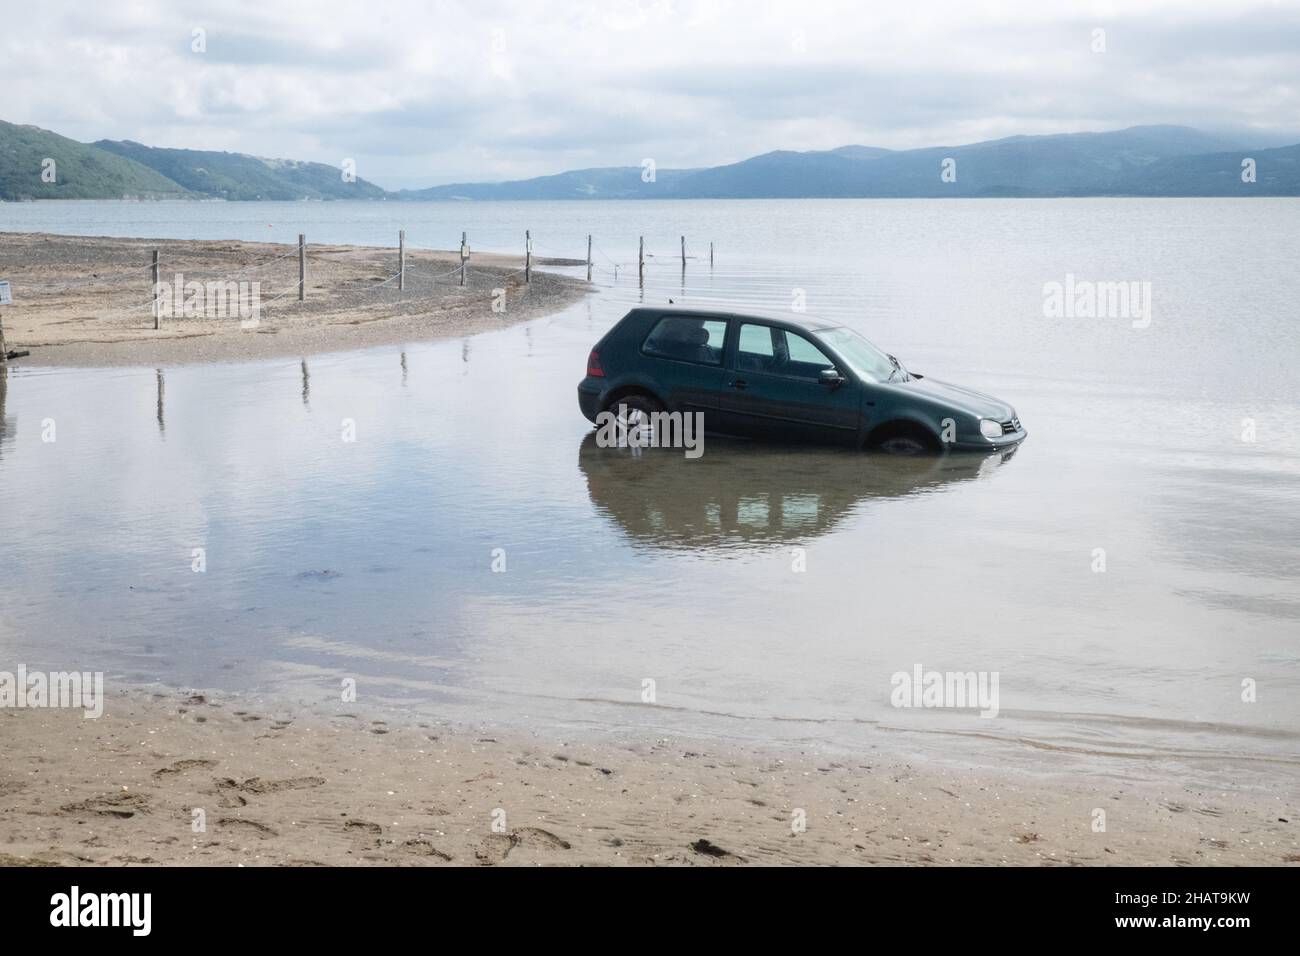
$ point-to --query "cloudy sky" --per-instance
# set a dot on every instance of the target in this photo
(420, 93)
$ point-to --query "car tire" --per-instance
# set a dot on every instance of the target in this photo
(904, 440)
(639, 406)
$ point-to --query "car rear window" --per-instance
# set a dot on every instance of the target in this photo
(687, 339)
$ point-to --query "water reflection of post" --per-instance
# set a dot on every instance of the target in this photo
(4, 394)
(464, 354)
(403, 369)
(306, 385)
(162, 424)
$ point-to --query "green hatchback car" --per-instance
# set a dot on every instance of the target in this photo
(783, 378)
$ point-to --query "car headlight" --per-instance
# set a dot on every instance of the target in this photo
(990, 429)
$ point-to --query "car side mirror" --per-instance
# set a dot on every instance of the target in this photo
(831, 377)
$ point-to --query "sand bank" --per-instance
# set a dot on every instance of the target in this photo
(87, 301)
(351, 788)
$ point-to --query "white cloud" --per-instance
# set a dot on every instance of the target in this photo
(423, 92)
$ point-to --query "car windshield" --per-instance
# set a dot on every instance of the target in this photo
(867, 360)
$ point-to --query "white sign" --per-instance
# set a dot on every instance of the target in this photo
(6, 298)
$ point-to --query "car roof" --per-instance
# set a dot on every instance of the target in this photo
(808, 323)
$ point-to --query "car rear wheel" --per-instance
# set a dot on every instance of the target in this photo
(633, 412)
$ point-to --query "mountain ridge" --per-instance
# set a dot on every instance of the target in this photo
(1157, 160)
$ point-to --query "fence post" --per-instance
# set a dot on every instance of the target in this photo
(401, 259)
(710, 255)
(302, 266)
(683, 253)
(463, 256)
(640, 262)
(588, 257)
(157, 312)
(528, 255)
(4, 355)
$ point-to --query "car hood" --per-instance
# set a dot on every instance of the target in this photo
(965, 399)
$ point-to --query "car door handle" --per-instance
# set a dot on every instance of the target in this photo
(740, 383)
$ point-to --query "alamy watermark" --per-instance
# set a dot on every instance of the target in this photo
(958, 689)
(70, 689)
(1085, 299)
(179, 299)
(636, 428)
(130, 910)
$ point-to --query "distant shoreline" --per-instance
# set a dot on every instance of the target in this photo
(87, 300)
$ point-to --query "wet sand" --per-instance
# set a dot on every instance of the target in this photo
(82, 301)
(350, 788)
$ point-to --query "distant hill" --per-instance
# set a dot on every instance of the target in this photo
(1139, 161)
(80, 171)
(237, 176)
(1277, 173)
(612, 182)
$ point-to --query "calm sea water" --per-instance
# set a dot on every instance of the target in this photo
(374, 559)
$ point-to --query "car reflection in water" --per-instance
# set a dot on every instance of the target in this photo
(742, 494)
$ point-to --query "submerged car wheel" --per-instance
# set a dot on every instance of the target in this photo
(904, 440)
(633, 411)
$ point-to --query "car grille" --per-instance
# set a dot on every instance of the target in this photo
(1011, 427)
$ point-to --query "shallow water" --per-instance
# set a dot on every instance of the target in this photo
(374, 559)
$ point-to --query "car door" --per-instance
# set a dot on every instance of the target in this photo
(775, 389)
(683, 359)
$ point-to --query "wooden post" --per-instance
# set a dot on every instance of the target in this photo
(463, 257)
(157, 312)
(683, 253)
(401, 259)
(640, 262)
(588, 257)
(528, 255)
(4, 352)
(710, 255)
(302, 267)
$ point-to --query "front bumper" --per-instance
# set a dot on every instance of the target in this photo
(1002, 443)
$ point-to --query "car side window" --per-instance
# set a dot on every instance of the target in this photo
(805, 359)
(755, 348)
(773, 351)
(687, 339)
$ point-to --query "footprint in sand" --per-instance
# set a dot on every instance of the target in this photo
(234, 823)
(535, 836)
(365, 826)
(425, 848)
(120, 805)
(180, 766)
(495, 848)
(257, 785)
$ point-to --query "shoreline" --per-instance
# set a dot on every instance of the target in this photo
(84, 301)
(295, 787)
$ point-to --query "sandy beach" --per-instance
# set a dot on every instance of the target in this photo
(282, 788)
(86, 301)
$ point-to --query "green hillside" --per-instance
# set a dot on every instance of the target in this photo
(80, 171)
(238, 176)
